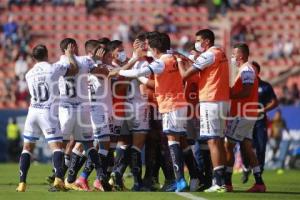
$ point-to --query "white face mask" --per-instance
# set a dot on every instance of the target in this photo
(233, 61)
(150, 54)
(198, 47)
(122, 56)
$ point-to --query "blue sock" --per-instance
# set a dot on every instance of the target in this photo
(74, 167)
(94, 157)
(190, 162)
(88, 168)
(219, 175)
(24, 165)
(58, 163)
(122, 160)
(176, 155)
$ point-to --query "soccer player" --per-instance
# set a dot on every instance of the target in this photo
(42, 116)
(213, 84)
(268, 101)
(170, 96)
(243, 115)
(74, 115)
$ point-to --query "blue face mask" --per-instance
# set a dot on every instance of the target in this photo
(122, 56)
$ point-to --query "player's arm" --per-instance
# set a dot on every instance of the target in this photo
(205, 60)
(273, 103)
(248, 78)
(100, 70)
(146, 81)
(73, 69)
(156, 67)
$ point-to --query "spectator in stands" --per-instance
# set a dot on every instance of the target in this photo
(238, 32)
(277, 49)
(286, 98)
(122, 32)
(216, 7)
(13, 139)
(21, 65)
(163, 24)
(10, 29)
(288, 48)
(295, 92)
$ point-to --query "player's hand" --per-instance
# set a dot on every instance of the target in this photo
(113, 73)
(100, 54)
(70, 50)
(138, 44)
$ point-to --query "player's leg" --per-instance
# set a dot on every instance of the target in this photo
(122, 159)
(259, 185)
(76, 156)
(229, 148)
(31, 135)
(212, 123)
(24, 164)
(174, 124)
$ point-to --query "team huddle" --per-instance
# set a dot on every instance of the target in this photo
(99, 111)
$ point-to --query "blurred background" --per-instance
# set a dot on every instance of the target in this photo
(270, 27)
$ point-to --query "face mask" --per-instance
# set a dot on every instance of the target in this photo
(198, 47)
(122, 56)
(233, 61)
(150, 54)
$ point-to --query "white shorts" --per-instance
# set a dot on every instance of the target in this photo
(117, 124)
(76, 122)
(138, 120)
(102, 123)
(174, 122)
(213, 119)
(239, 129)
(42, 121)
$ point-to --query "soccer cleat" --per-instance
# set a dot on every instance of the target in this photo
(181, 185)
(169, 186)
(72, 186)
(59, 184)
(245, 176)
(82, 183)
(216, 188)
(258, 188)
(21, 187)
(229, 188)
(50, 179)
(102, 185)
(194, 184)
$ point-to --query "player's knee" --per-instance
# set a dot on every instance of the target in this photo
(29, 147)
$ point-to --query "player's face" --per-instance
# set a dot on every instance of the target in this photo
(107, 58)
(236, 57)
(117, 51)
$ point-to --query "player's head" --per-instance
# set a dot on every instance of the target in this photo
(257, 66)
(158, 44)
(91, 46)
(64, 45)
(104, 42)
(40, 53)
(141, 37)
(117, 50)
(150, 35)
(107, 58)
(240, 54)
(205, 38)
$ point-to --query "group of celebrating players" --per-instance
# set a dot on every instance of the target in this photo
(99, 111)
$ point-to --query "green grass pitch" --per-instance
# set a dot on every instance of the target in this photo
(279, 187)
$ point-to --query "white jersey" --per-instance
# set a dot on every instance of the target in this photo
(133, 92)
(74, 89)
(100, 91)
(42, 82)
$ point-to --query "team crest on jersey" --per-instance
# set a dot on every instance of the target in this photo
(50, 131)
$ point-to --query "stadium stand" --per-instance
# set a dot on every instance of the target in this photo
(48, 24)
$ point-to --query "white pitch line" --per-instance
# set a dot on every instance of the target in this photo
(189, 196)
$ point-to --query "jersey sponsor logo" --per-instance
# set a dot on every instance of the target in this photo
(51, 131)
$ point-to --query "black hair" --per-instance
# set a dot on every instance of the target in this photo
(207, 34)
(166, 40)
(159, 42)
(141, 36)
(149, 35)
(91, 45)
(112, 45)
(40, 52)
(243, 47)
(255, 64)
(104, 41)
(65, 42)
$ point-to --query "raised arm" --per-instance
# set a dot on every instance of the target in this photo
(73, 69)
